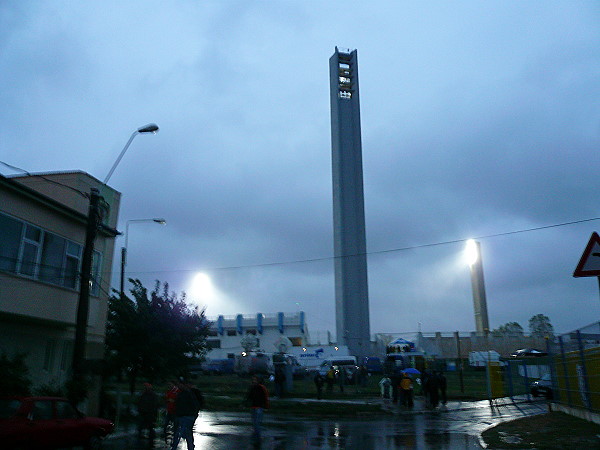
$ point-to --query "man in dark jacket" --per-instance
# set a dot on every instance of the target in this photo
(186, 410)
(147, 409)
(258, 400)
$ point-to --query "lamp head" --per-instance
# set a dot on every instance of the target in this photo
(150, 128)
(471, 252)
(161, 221)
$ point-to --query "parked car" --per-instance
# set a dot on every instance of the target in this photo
(528, 352)
(543, 386)
(217, 366)
(349, 361)
(49, 423)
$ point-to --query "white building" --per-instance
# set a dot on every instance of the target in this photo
(272, 332)
(286, 332)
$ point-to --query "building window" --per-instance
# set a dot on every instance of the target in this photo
(213, 343)
(49, 355)
(67, 355)
(231, 333)
(53, 253)
(73, 259)
(251, 331)
(33, 252)
(30, 251)
(10, 237)
(212, 333)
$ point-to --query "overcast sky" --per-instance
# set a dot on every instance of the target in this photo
(478, 119)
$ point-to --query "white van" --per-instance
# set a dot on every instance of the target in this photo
(338, 361)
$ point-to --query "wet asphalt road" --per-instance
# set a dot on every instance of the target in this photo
(457, 426)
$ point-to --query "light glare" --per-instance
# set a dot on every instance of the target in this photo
(471, 252)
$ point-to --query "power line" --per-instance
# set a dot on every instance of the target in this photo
(376, 252)
(84, 194)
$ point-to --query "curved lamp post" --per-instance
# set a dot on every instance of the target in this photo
(151, 128)
(124, 249)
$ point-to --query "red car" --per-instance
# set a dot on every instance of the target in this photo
(48, 422)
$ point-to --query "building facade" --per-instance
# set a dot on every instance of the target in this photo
(43, 221)
(350, 247)
(272, 332)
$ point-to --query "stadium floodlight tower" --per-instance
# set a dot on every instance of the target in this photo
(350, 245)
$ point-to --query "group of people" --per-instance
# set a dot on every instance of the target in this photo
(434, 386)
(342, 376)
(401, 389)
(183, 403)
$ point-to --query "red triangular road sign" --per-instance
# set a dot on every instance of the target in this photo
(589, 264)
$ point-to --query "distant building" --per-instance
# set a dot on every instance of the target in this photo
(349, 236)
(278, 332)
(273, 332)
(42, 229)
(439, 345)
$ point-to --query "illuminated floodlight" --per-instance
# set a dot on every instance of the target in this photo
(202, 287)
(471, 252)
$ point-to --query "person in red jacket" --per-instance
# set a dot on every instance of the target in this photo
(258, 400)
(170, 418)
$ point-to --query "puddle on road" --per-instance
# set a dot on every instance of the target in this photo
(226, 431)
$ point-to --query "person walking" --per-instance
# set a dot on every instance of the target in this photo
(406, 391)
(186, 411)
(341, 373)
(258, 400)
(170, 417)
(148, 410)
(330, 379)
(279, 381)
(443, 384)
(319, 385)
(432, 388)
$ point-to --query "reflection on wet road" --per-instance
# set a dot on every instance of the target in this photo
(435, 430)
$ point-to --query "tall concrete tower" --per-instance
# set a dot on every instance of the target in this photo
(350, 245)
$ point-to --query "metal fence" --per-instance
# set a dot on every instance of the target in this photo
(571, 371)
(575, 367)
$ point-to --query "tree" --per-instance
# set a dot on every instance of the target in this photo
(509, 328)
(153, 336)
(540, 326)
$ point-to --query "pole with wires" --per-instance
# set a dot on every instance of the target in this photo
(77, 388)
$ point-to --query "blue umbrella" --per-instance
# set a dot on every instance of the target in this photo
(411, 370)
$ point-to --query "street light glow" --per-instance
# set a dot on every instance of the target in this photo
(202, 287)
(471, 252)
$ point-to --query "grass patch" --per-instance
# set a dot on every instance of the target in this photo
(228, 392)
(555, 430)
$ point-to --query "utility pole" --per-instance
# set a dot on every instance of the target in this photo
(123, 263)
(93, 221)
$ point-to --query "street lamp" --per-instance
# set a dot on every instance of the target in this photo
(150, 128)
(473, 257)
(124, 249)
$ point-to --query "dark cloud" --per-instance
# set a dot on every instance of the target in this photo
(477, 119)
